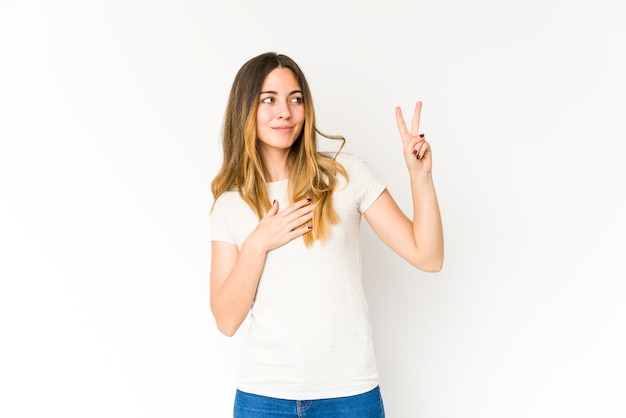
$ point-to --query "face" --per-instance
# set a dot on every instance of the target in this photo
(280, 115)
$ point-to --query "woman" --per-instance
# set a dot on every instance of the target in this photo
(285, 248)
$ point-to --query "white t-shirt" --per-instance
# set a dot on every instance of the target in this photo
(309, 335)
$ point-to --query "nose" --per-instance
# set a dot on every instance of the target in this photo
(282, 110)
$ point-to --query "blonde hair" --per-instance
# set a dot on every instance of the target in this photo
(312, 174)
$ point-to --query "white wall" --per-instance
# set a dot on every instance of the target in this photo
(110, 116)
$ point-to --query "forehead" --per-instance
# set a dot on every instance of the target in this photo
(280, 77)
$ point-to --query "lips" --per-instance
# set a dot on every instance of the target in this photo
(282, 128)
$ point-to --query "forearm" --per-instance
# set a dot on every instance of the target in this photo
(427, 226)
(235, 274)
(232, 300)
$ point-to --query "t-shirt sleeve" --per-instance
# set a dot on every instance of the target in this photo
(220, 226)
(366, 184)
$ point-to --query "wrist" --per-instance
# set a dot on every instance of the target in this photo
(253, 246)
(421, 177)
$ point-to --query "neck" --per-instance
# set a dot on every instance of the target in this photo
(275, 166)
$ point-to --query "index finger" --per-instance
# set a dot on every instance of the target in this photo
(415, 122)
(296, 205)
(400, 122)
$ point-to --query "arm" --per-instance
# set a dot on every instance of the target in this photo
(235, 273)
(419, 241)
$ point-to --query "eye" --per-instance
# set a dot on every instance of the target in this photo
(297, 99)
(268, 100)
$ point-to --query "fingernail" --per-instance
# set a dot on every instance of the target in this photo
(414, 152)
(308, 199)
(421, 135)
(310, 226)
(274, 202)
(418, 157)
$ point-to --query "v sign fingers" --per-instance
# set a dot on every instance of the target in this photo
(404, 132)
(415, 122)
(413, 143)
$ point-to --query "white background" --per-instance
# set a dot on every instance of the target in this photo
(110, 117)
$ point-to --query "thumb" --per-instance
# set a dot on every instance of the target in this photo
(274, 209)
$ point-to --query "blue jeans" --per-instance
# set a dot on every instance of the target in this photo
(366, 405)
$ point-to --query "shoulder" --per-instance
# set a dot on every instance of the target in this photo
(228, 201)
(231, 218)
(351, 162)
(363, 186)
(229, 196)
(360, 175)
(345, 157)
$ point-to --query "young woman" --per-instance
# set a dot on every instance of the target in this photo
(285, 249)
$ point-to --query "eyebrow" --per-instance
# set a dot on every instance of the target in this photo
(275, 92)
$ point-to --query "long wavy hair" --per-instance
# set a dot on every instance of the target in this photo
(311, 174)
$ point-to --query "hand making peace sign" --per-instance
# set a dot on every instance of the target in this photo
(417, 152)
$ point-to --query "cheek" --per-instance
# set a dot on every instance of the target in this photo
(300, 128)
(261, 117)
(300, 114)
